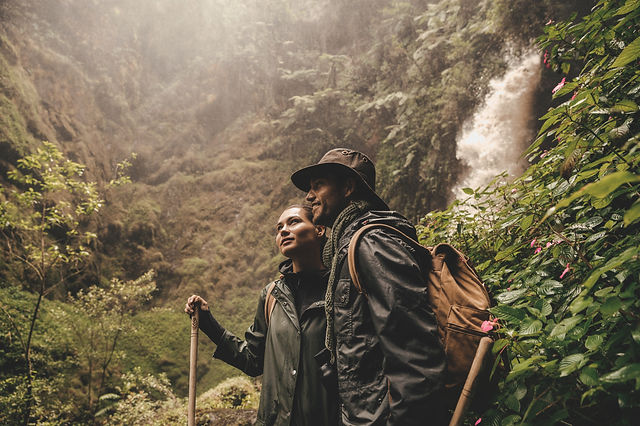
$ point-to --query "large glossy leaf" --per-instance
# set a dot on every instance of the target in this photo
(594, 341)
(511, 296)
(529, 328)
(571, 363)
(507, 313)
(565, 325)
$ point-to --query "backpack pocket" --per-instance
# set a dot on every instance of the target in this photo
(463, 334)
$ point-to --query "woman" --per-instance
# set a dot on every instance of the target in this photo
(281, 345)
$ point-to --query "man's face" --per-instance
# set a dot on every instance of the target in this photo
(327, 198)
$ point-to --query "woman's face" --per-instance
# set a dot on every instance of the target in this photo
(296, 234)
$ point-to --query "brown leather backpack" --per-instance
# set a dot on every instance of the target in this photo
(456, 295)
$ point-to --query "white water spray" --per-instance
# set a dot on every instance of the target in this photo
(493, 140)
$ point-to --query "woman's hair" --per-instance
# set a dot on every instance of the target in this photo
(306, 208)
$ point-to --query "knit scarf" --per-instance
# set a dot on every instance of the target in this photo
(354, 210)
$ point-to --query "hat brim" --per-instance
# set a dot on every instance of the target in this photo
(302, 179)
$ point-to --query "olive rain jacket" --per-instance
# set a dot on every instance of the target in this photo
(283, 352)
(389, 359)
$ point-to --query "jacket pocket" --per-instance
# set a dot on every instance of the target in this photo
(463, 333)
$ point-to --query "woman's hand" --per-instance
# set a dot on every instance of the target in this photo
(193, 302)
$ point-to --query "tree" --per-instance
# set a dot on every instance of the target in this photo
(41, 230)
(98, 318)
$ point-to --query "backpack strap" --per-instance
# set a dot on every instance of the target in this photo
(269, 302)
(351, 254)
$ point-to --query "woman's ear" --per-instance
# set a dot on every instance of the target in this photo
(320, 230)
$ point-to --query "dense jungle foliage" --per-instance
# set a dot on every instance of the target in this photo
(559, 246)
(190, 118)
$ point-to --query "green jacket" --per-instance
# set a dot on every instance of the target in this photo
(292, 391)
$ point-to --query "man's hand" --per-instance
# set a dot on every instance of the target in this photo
(193, 302)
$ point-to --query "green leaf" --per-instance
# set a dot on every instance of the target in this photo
(530, 328)
(507, 313)
(468, 191)
(549, 288)
(565, 325)
(594, 341)
(511, 420)
(589, 376)
(625, 105)
(521, 391)
(626, 373)
(510, 296)
(596, 237)
(526, 222)
(571, 363)
(628, 54)
(567, 88)
(611, 306)
(629, 6)
(632, 214)
(506, 252)
(512, 403)
(544, 307)
(580, 304)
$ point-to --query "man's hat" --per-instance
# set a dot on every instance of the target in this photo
(355, 163)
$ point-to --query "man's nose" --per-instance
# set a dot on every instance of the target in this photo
(310, 196)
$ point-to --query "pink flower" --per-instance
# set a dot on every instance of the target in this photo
(565, 272)
(549, 22)
(574, 95)
(544, 153)
(559, 86)
(549, 244)
(514, 190)
(486, 326)
(538, 250)
(533, 243)
(478, 421)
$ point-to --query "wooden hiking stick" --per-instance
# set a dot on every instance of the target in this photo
(480, 363)
(193, 361)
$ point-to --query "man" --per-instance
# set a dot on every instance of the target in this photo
(383, 342)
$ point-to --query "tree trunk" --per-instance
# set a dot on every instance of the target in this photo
(29, 396)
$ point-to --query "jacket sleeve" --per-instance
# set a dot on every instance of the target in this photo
(247, 355)
(396, 291)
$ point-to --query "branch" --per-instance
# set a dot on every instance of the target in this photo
(24, 347)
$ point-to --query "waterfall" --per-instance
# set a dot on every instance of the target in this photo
(495, 137)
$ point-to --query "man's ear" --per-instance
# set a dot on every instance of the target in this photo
(349, 187)
(320, 230)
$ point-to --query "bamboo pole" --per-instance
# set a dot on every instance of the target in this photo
(193, 360)
(466, 396)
